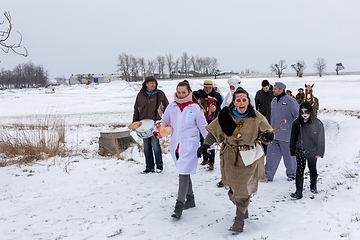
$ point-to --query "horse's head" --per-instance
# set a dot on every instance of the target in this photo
(309, 92)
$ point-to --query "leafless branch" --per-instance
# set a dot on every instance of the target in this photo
(5, 34)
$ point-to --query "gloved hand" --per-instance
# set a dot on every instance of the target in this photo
(267, 137)
(202, 149)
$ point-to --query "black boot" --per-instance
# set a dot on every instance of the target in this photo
(178, 210)
(299, 181)
(220, 184)
(238, 225)
(190, 202)
(313, 180)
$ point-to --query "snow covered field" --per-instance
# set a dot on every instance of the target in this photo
(94, 197)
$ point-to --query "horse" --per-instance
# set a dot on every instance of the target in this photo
(310, 98)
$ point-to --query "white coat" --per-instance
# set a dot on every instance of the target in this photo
(186, 126)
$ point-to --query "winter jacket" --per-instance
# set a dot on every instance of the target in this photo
(286, 108)
(148, 107)
(201, 94)
(308, 136)
(263, 102)
(243, 180)
(300, 97)
(186, 125)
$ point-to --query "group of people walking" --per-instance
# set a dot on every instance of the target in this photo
(244, 126)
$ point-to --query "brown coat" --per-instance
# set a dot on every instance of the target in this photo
(149, 107)
(243, 180)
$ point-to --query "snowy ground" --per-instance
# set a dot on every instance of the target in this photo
(94, 197)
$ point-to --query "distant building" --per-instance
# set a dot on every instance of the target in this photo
(93, 78)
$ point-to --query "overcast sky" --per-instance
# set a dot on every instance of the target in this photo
(87, 36)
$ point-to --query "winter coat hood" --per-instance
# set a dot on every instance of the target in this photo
(149, 79)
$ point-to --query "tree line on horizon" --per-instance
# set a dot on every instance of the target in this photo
(135, 68)
(299, 67)
(24, 75)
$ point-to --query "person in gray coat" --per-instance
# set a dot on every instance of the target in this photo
(283, 107)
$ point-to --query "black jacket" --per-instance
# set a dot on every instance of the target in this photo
(263, 102)
(201, 94)
(308, 136)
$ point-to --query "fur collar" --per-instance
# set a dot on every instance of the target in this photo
(226, 122)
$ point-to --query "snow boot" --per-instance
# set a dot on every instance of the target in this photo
(313, 180)
(220, 184)
(238, 225)
(299, 181)
(204, 162)
(190, 202)
(178, 210)
(211, 166)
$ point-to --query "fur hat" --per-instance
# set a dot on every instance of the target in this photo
(234, 81)
(150, 79)
(280, 85)
(208, 83)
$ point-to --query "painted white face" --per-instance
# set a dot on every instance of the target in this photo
(305, 113)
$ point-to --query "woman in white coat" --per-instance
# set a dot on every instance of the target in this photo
(186, 118)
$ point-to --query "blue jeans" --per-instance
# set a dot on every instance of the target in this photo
(150, 144)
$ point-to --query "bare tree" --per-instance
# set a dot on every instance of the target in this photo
(152, 66)
(201, 65)
(320, 66)
(134, 68)
(185, 63)
(299, 67)
(177, 65)
(142, 66)
(124, 65)
(170, 64)
(278, 68)
(339, 67)
(26, 74)
(193, 63)
(161, 65)
(207, 65)
(214, 66)
(62, 80)
(5, 34)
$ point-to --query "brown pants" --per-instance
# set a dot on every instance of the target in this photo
(242, 204)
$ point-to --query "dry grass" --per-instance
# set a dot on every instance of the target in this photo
(164, 144)
(23, 144)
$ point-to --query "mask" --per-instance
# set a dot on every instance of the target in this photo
(305, 113)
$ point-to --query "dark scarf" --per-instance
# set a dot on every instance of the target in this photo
(226, 122)
(280, 95)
